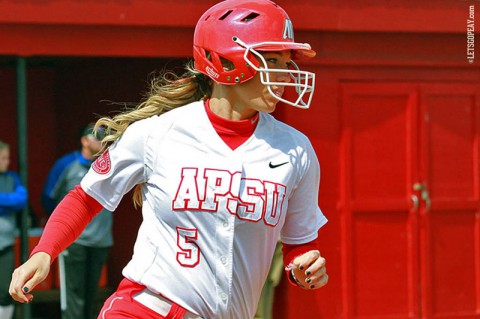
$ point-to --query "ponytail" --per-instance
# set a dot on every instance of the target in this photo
(167, 92)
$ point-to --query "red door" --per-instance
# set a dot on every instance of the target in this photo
(410, 200)
(449, 215)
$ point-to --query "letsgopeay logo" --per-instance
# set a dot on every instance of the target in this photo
(471, 34)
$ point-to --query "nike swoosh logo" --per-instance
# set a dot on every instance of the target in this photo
(276, 165)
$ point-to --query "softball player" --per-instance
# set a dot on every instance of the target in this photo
(218, 178)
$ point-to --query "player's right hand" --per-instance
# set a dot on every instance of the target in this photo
(309, 270)
(28, 276)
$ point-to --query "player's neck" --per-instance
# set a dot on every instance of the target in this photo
(233, 133)
(223, 107)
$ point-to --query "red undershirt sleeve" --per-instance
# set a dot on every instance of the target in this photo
(290, 252)
(67, 222)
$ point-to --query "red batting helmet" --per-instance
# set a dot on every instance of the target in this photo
(233, 31)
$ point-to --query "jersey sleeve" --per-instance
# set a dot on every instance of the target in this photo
(120, 167)
(304, 217)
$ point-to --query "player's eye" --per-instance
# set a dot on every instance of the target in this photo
(272, 61)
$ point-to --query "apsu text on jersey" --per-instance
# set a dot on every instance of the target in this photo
(218, 190)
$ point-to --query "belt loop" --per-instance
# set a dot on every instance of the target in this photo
(176, 312)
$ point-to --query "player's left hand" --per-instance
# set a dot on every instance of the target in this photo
(309, 270)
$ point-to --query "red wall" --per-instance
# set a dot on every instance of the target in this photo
(164, 28)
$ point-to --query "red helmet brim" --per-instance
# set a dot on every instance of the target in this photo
(300, 50)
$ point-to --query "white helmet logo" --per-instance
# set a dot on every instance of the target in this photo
(211, 72)
(288, 30)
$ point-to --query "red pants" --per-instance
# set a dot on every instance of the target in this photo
(121, 305)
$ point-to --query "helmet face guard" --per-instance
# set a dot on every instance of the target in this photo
(229, 36)
(302, 81)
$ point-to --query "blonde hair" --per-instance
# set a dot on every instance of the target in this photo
(167, 92)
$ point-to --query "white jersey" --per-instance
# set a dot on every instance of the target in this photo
(211, 215)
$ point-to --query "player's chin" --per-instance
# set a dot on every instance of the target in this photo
(270, 104)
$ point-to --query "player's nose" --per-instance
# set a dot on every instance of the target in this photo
(283, 77)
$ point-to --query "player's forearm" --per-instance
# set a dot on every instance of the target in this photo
(290, 252)
(67, 222)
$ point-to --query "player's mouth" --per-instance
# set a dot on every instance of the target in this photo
(277, 91)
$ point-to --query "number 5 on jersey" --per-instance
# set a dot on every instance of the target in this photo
(189, 254)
